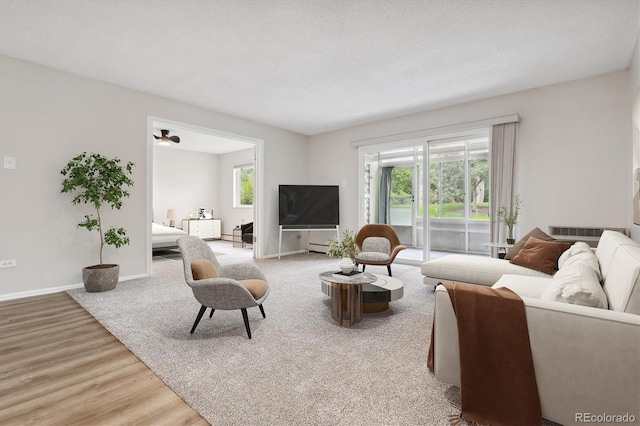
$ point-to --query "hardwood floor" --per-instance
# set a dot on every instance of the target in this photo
(59, 366)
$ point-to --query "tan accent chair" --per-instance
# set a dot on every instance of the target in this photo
(229, 287)
(378, 244)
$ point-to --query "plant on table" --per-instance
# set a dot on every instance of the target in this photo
(344, 247)
(510, 218)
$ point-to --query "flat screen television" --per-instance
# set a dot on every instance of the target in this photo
(309, 206)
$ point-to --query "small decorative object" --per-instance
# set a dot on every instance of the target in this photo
(345, 249)
(346, 265)
(510, 218)
(98, 181)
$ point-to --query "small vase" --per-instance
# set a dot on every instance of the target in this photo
(346, 265)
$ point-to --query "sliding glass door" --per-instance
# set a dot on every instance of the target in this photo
(394, 193)
(459, 195)
(435, 194)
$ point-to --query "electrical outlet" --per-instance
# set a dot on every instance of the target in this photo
(11, 263)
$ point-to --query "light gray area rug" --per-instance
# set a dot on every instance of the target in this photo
(300, 367)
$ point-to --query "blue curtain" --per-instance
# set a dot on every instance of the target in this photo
(384, 196)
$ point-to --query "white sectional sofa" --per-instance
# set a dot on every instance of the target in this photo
(586, 359)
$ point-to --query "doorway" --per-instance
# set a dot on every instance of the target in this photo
(197, 174)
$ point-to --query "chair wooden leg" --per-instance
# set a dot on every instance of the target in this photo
(200, 314)
(262, 310)
(212, 311)
(389, 269)
(246, 321)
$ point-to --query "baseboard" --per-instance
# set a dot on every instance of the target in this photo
(288, 253)
(40, 292)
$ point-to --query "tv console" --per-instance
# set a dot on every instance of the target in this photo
(287, 228)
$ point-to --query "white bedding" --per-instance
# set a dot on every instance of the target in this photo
(165, 236)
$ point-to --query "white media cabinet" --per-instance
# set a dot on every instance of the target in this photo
(283, 228)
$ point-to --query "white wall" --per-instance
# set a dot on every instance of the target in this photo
(48, 116)
(185, 181)
(573, 151)
(232, 216)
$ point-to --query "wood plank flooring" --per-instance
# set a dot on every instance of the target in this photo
(59, 366)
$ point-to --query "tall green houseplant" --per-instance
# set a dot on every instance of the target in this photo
(100, 182)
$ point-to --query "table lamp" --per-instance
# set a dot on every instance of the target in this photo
(172, 214)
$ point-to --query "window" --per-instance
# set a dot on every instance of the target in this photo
(459, 178)
(243, 185)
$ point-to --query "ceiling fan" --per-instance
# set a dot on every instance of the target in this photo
(165, 139)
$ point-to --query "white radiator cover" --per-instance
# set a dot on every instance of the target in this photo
(590, 235)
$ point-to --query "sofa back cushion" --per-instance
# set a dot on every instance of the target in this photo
(607, 246)
(622, 280)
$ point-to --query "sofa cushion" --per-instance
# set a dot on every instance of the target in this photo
(607, 247)
(535, 232)
(622, 284)
(577, 284)
(580, 252)
(472, 269)
(524, 285)
(540, 255)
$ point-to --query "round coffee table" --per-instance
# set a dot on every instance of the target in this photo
(376, 294)
(346, 295)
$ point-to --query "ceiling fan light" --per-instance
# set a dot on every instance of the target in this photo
(164, 142)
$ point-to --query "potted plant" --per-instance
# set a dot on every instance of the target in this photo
(345, 249)
(100, 182)
(510, 218)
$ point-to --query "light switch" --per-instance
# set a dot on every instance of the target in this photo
(9, 162)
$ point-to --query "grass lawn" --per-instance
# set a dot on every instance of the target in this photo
(451, 210)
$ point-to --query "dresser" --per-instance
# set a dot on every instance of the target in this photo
(203, 228)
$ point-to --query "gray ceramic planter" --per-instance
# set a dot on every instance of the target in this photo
(100, 277)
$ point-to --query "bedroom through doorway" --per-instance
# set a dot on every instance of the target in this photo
(193, 184)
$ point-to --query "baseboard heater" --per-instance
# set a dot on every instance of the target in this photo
(576, 233)
(318, 247)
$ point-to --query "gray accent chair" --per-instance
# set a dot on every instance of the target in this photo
(225, 292)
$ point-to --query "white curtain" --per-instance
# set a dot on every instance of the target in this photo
(503, 159)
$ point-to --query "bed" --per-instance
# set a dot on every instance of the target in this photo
(165, 237)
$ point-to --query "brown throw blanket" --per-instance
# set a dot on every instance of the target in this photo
(497, 380)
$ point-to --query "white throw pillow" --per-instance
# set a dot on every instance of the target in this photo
(580, 252)
(577, 284)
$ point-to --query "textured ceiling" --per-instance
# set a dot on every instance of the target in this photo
(315, 66)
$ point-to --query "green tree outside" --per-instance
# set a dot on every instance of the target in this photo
(246, 186)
